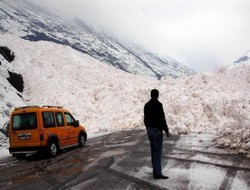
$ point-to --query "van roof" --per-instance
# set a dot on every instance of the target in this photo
(46, 106)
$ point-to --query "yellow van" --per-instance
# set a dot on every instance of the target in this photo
(48, 129)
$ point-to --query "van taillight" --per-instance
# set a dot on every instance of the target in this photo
(41, 135)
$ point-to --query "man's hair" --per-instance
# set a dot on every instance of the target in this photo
(154, 93)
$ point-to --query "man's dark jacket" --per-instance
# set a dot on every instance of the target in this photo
(154, 116)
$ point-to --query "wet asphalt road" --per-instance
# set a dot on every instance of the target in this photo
(121, 160)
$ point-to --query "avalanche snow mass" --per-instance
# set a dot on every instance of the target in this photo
(104, 98)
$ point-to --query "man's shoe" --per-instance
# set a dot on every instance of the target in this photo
(160, 177)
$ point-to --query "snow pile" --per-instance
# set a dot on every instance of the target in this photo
(212, 103)
(104, 98)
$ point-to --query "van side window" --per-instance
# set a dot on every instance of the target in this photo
(69, 119)
(48, 119)
(59, 119)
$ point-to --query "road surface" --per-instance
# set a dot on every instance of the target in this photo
(121, 160)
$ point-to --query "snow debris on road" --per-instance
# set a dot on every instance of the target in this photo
(106, 99)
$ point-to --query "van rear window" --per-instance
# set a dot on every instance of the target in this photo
(24, 121)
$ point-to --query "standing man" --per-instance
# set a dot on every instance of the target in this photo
(155, 122)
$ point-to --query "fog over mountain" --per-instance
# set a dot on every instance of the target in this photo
(200, 33)
(32, 22)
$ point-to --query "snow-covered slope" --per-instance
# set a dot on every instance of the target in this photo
(104, 98)
(9, 96)
(98, 94)
(31, 22)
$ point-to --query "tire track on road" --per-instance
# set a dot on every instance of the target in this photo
(231, 174)
(235, 168)
(143, 184)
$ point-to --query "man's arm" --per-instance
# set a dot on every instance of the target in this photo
(163, 122)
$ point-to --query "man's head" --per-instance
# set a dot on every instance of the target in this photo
(154, 93)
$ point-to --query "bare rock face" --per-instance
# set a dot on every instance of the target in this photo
(7, 53)
(16, 80)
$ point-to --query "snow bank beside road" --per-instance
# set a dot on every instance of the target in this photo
(104, 98)
(209, 102)
(4, 144)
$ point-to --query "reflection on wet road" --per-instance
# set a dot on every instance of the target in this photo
(121, 160)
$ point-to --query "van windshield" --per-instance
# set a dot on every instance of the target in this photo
(24, 121)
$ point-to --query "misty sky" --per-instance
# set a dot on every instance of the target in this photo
(203, 34)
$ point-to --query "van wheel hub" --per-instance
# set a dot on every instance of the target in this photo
(53, 149)
(81, 141)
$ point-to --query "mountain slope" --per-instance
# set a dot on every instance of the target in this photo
(243, 58)
(99, 95)
(34, 23)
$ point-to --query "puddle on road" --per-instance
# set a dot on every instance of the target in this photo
(62, 171)
(65, 171)
(25, 179)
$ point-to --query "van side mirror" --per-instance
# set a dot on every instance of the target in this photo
(76, 123)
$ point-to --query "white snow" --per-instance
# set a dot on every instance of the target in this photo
(106, 99)
(238, 183)
(197, 176)
(205, 177)
(4, 152)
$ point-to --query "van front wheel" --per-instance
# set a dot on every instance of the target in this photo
(81, 140)
(52, 149)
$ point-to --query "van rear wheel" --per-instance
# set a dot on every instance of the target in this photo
(52, 149)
